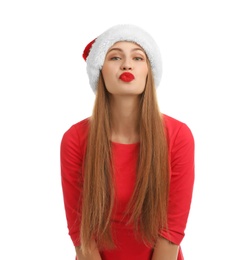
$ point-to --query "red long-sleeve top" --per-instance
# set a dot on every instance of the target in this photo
(181, 156)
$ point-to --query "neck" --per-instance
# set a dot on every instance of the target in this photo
(124, 119)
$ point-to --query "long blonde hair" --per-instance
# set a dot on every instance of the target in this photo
(148, 205)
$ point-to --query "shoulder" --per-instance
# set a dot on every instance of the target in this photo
(76, 134)
(177, 130)
(80, 128)
(173, 124)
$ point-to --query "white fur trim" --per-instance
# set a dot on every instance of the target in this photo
(123, 32)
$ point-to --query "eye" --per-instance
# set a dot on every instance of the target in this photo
(115, 58)
(138, 58)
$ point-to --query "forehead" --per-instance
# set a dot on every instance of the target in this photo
(126, 45)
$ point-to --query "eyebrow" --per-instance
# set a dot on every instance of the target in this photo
(119, 49)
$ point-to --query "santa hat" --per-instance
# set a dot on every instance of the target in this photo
(95, 52)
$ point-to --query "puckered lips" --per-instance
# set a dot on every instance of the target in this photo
(126, 77)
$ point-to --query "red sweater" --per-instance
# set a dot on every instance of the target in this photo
(181, 152)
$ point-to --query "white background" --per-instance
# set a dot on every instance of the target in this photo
(44, 90)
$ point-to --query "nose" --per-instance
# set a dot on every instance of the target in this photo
(126, 65)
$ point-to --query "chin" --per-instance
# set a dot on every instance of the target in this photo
(126, 91)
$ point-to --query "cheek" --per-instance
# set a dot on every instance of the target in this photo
(108, 80)
(104, 70)
(107, 72)
(145, 74)
(144, 70)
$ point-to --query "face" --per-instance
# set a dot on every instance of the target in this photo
(125, 69)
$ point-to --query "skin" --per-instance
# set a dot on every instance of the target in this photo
(127, 57)
(93, 255)
(164, 250)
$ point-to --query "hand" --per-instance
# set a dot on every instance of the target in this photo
(165, 250)
(93, 255)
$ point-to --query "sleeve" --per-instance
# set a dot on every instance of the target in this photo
(181, 184)
(71, 162)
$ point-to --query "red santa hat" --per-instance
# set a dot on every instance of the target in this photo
(95, 52)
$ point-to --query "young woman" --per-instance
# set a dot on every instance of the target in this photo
(127, 170)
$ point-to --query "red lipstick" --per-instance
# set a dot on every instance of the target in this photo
(126, 76)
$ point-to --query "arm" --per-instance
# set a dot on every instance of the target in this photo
(181, 185)
(93, 255)
(72, 151)
(165, 250)
(71, 161)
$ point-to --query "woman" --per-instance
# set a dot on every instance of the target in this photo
(128, 170)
